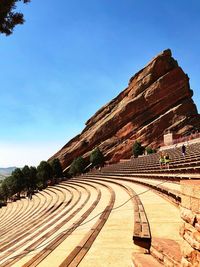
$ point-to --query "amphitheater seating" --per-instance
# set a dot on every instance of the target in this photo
(147, 168)
(179, 165)
(67, 224)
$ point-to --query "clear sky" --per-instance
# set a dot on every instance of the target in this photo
(72, 57)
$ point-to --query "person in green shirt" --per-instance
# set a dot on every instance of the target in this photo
(162, 160)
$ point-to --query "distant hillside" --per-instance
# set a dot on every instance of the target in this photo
(6, 171)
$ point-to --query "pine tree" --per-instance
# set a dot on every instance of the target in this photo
(56, 168)
(96, 157)
(8, 17)
(138, 149)
(77, 166)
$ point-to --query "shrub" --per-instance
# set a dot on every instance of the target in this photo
(149, 150)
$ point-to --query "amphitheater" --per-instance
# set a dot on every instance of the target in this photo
(128, 214)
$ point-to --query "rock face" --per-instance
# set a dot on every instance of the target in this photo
(158, 98)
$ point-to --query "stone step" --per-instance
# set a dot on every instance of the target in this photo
(166, 251)
(144, 260)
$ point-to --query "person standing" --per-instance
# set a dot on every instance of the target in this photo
(167, 159)
(162, 160)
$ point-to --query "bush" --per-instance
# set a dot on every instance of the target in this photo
(138, 149)
(149, 150)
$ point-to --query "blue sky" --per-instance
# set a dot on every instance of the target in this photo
(72, 57)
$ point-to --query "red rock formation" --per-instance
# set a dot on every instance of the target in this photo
(157, 98)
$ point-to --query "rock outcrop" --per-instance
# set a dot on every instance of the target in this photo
(158, 98)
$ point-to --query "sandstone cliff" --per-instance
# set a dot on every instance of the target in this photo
(157, 98)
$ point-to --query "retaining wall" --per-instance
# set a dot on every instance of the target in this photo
(190, 225)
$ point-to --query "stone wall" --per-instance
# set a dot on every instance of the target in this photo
(168, 139)
(190, 225)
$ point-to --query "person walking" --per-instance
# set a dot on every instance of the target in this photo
(183, 149)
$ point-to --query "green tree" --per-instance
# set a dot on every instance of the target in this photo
(5, 189)
(44, 173)
(33, 177)
(1, 192)
(17, 181)
(20, 180)
(138, 149)
(56, 168)
(30, 176)
(10, 186)
(9, 18)
(26, 173)
(96, 157)
(77, 166)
